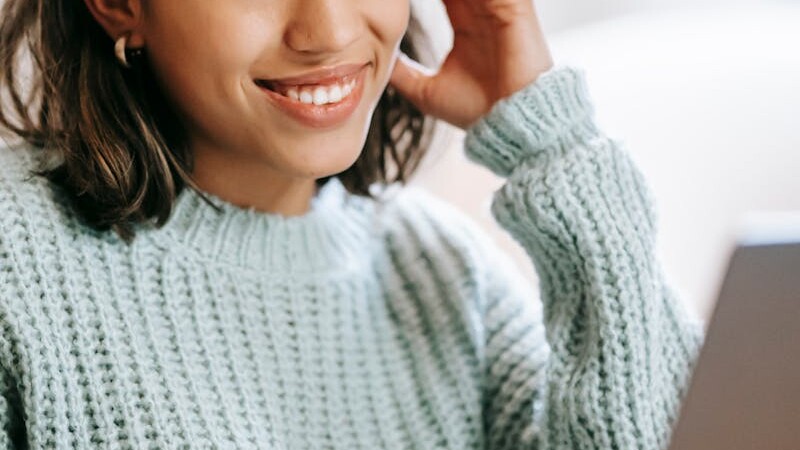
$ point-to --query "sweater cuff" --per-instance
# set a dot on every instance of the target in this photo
(553, 111)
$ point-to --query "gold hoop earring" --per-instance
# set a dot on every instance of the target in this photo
(121, 51)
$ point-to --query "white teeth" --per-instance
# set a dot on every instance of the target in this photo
(319, 95)
(335, 94)
(306, 97)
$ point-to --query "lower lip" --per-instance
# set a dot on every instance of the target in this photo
(320, 116)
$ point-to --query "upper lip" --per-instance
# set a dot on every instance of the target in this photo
(320, 76)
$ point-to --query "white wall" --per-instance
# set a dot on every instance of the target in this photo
(558, 15)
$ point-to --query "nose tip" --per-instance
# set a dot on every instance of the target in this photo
(322, 26)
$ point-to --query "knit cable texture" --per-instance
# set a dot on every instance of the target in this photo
(393, 324)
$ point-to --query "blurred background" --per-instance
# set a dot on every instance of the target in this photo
(705, 95)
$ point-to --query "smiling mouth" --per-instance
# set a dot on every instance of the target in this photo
(314, 94)
(321, 100)
(324, 87)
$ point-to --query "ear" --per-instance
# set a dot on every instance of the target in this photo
(119, 17)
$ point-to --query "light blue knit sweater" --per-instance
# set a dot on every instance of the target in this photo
(362, 324)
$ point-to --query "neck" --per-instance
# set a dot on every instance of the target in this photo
(250, 183)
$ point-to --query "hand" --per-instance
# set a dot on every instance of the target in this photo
(498, 48)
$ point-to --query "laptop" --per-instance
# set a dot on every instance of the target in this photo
(744, 393)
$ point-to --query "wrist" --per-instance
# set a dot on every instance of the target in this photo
(527, 57)
(555, 111)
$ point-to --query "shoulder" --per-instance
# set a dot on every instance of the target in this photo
(27, 199)
(16, 161)
(33, 213)
(444, 265)
(17, 185)
(27, 212)
(417, 218)
(18, 178)
(24, 189)
(424, 230)
(427, 228)
(17, 243)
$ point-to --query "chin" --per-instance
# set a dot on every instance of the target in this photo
(315, 164)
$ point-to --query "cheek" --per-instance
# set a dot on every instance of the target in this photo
(389, 22)
(200, 54)
(392, 17)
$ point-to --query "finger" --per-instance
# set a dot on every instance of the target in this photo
(412, 80)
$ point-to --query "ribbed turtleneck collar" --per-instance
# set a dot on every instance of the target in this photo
(329, 237)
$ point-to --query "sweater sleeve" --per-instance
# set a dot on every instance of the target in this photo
(620, 345)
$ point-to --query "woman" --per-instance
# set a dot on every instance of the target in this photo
(192, 255)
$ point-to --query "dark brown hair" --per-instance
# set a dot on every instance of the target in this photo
(122, 153)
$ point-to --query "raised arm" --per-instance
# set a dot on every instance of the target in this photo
(621, 346)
